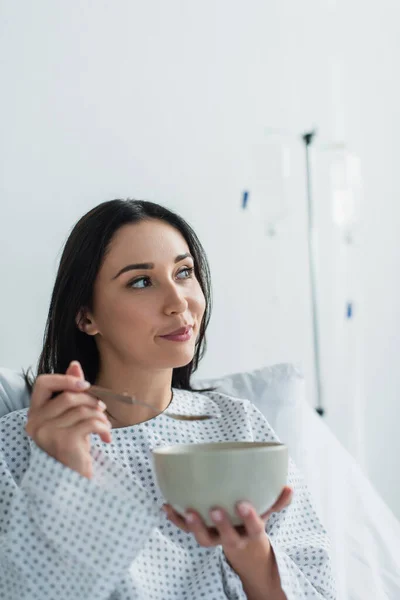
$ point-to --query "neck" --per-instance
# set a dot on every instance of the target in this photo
(152, 386)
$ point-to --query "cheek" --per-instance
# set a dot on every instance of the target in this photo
(118, 314)
(198, 303)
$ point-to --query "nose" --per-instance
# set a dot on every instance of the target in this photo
(175, 301)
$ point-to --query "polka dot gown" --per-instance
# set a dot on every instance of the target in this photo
(65, 537)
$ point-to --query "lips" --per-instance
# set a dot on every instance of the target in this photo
(181, 331)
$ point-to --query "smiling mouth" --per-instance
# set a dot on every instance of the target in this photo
(179, 335)
(181, 331)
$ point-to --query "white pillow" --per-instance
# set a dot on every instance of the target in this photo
(14, 394)
(276, 390)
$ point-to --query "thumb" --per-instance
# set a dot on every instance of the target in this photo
(75, 369)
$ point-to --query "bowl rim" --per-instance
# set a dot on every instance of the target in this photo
(217, 447)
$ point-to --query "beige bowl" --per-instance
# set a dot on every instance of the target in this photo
(202, 476)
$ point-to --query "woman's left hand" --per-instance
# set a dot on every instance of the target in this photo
(234, 539)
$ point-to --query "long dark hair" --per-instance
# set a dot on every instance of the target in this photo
(80, 262)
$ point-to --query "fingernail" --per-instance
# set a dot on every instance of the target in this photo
(216, 515)
(189, 517)
(101, 404)
(82, 385)
(244, 508)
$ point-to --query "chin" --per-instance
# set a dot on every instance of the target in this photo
(181, 359)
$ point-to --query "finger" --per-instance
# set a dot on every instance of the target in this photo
(175, 518)
(63, 403)
(283, 501)
(67, 437)
(229, 536)
(92, 426)
(72, 417)
(46, 385)
(201, 532)
(75, 369)
(254, 524)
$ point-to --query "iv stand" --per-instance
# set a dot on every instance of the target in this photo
(308, 138)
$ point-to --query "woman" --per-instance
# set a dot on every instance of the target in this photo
(81, 515)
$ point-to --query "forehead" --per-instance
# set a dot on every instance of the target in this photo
(147, 241)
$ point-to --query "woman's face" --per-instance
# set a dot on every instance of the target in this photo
(145, 290)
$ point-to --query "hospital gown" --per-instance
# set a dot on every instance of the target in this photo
(64, 537)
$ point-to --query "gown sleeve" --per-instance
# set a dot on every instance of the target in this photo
(62, 535)
(299, 541)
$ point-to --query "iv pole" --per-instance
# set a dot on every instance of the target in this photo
(308, 138)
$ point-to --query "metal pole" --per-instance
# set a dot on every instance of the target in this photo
(308, 138)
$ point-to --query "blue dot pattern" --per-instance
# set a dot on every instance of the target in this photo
(66, 537)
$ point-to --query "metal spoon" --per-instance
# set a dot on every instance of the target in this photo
(104, 394)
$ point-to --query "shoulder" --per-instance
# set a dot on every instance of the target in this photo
(14, 421)
(246, 410)
(227, 401)
(209, 401)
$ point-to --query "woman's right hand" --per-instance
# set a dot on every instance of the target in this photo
(61, 426)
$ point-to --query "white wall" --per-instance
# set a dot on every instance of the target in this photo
(165, 101)
(373, 128)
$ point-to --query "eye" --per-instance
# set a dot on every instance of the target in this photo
(187, 272)
(137, 283)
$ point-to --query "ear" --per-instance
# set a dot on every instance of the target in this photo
(85, 322)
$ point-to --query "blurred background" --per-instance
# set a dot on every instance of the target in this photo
(203, 107)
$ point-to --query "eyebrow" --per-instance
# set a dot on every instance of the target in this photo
(145, 266)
